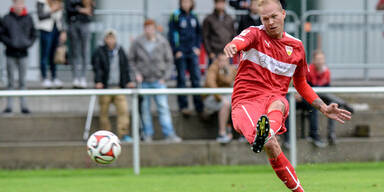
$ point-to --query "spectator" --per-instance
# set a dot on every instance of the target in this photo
(111, 68)
(152, 60)
(51, 26)
(251, 19)
(218, 30)
(79, 14)
(221, 74)
(185, 39)
(18, 34)
(246, 4)
(320, 76)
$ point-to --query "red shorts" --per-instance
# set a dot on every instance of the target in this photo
(246, 114)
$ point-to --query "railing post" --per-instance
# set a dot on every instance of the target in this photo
(135, 133)
(292, 128)
(88, 122)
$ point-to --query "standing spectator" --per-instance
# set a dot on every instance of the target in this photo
(51, 26)
(152, 60)
(218, 30)
(79, 14)
(251, 19)
(221, 74)
(18, 34)
(111, 68)
(185, 39)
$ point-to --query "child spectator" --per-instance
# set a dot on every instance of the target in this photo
(18, 34)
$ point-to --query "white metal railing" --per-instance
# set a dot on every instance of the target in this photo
(201, 91)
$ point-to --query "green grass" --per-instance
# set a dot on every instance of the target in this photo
(351, 177)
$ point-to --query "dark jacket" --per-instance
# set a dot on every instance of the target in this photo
(18, 34)
(236, 4)
(184, 31)
(72, 11)
(247, 21)
(217, 33)
(101, 66)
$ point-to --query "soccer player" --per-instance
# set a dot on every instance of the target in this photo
(271, 58)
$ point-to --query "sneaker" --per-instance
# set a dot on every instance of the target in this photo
(25, 111)
(7, 110)
(47, 84)
(57, 84)
(147, 139)
(76, 83)
(262, 133)
(83, 83)
(173, 139)
(126, 139)
(223, 139)
(317, 142)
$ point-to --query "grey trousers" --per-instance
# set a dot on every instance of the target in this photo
(21, 65)
(79, 37)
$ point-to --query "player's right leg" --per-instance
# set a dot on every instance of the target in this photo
(281, 165)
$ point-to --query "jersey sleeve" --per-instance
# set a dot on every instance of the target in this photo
(245, 38)
(302, 67)
(300, 80)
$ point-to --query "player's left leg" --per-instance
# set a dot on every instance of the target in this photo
(283, 168)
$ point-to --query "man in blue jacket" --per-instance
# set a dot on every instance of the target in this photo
(185, 39)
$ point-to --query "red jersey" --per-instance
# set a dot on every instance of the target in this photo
(267, 65)
(318, 79)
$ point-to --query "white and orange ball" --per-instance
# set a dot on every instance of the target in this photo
(103, 147)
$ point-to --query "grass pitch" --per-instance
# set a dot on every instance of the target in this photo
(350, 177)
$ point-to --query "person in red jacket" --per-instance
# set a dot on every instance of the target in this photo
(270, 59)
(320, 76)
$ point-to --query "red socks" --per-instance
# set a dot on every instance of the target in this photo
(286, 173)
(275, 121)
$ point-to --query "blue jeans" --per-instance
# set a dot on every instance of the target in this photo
(48, 44)
(162, 110)
(188, 62)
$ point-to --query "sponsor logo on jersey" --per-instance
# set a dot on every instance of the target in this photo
(268, 43)
(289, 50)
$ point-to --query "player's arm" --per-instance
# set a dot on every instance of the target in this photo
(331, 111)
(240, 42)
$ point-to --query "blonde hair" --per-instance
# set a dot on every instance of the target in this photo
(261, 3)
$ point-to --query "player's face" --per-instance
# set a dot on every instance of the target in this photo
(272, 16)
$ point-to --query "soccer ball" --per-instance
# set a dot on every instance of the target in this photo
(103, 147)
